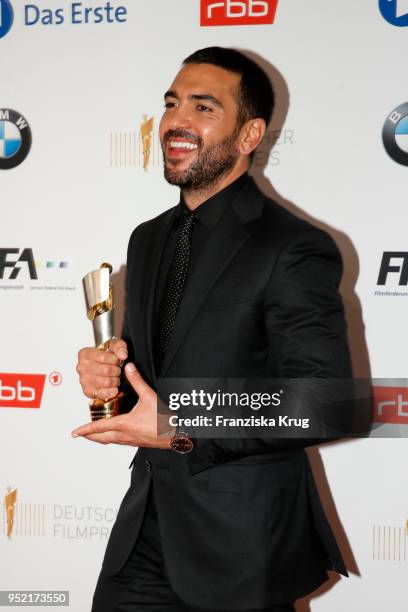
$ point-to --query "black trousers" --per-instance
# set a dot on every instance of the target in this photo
(142, 585)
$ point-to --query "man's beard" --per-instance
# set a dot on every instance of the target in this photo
(211, 164)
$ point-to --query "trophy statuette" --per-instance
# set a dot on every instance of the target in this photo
(100, 304)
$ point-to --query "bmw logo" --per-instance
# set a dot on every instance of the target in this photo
(395, 134)
(15, 138)
(395, 12)
(6, 17)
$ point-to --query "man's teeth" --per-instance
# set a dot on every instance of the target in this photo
(182, 145)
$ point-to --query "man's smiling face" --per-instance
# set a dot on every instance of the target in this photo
(198, 130)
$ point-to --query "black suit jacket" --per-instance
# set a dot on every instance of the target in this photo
(241, 522)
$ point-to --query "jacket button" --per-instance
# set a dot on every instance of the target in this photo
(148, 465)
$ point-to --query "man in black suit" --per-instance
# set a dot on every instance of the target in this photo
(227, 284)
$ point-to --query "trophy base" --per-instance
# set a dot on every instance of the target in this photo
(105, 409)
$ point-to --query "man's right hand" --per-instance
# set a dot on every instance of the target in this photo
(99, 371)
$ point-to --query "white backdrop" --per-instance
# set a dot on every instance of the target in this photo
(84, 89)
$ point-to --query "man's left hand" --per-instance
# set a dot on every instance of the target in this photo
(136, 428)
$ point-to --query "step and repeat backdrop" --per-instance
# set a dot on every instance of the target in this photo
(81, 95)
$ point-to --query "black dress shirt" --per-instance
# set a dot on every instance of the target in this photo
(208, 214)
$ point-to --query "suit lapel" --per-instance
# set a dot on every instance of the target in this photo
(227, 238)
(153, 258)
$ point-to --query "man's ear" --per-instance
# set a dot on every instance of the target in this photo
(251, 135)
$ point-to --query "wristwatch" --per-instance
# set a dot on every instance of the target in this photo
(182, 443)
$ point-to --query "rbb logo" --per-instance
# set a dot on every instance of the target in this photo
(21, 390)
(391, 405)
(25, 257)
(237, 12)
(387, 267)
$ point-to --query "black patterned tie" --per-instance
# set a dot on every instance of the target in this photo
(175, 283)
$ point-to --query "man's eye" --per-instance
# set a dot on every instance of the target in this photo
(203, 108)
(169, 104)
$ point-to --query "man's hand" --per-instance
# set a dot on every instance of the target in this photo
(99, 371)
(137, 428)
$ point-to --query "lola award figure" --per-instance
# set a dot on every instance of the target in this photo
(100, 304)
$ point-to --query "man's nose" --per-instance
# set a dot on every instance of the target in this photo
(181, 118)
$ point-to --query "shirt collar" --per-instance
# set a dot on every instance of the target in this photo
(210, 211)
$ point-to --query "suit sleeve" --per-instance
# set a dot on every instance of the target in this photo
(307, 334)
(131, 397)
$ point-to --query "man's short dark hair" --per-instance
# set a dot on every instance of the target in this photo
(255, 94)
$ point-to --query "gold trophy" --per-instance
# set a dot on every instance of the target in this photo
(99, 304)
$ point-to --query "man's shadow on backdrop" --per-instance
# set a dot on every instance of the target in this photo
(357, 343)
(353, 311)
